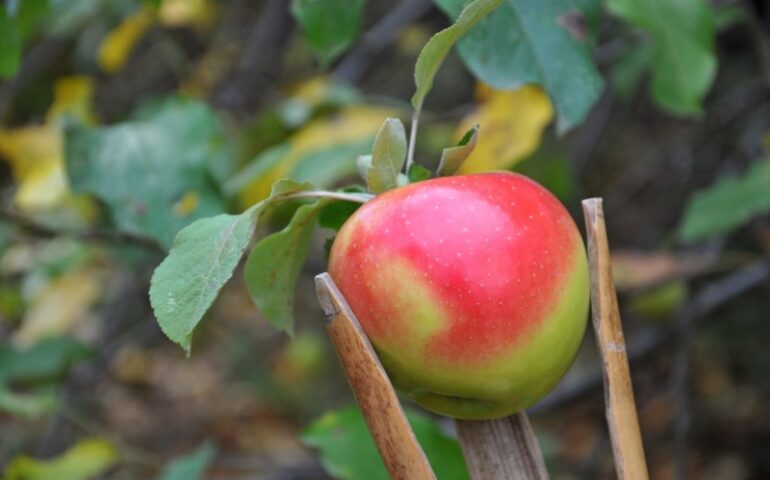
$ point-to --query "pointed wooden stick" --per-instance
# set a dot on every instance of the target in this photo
(618, 391)
(504, 448)
(395, 440)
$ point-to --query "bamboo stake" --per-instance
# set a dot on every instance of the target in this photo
(504, 448)
(395, 440)
(618, 390)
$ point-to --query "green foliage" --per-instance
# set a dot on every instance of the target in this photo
(191, 466)
(438, 47)
(330, 26)
(335, 214)
(202, 259)
(45, 359)
(388, 156)
(10, 45)
(535, 42)
(144, 169)
(348, 452)
(418, 173)
(683, 60)
(727, 205)
(452, 158)
(275, 263)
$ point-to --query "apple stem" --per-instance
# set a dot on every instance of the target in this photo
(412, 140)
(621, 413)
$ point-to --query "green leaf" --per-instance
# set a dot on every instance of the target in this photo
(433, 53)
(30, 404)
(335, 214)
(84, 461)
(191, 466)
(682, 34)
(388, 156)
(627, 72)
(363, 165)
(525, 41)
(418, 173)
(45, 359)
(348, 452)
(727, 205)
(144, 170)
(274, 264)
(10, 45)
(452, 158)
(330, 26)
(202, 259)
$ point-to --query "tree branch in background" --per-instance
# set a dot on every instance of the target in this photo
(647, 342)
(374, 41)
(40, 230)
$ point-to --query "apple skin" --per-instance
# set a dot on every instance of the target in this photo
(472, 289)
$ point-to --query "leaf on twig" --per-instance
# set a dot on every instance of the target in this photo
(388, 156)
(452, 158)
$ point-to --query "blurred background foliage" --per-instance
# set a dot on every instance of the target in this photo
(123, 121)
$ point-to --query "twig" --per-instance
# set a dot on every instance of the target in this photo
(41, 230)
(355, 64)
(412, 140)
(501, 449)
(619, 396)
(395, 440)
(647, 342)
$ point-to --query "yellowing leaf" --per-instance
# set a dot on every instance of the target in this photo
(350, 125)
(186, 205)
(36, 152)
(83, 461)
(61, 306)
(179, 13)
(511, 126)
(119, 43)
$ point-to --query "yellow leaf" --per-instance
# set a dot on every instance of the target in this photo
(119, 43)
(186, 205)
(85, 460)
(60, 306)
(511, 126)
(349, 125)
(179, 13)
(36, 152)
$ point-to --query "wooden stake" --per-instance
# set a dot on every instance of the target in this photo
(395, 440)
(619, 395)
(505, 448)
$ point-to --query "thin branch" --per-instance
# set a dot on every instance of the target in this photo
(348, 197)
(40, 230)
(412, 139)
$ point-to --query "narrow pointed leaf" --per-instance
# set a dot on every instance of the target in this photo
(452, 158)
(388, 156)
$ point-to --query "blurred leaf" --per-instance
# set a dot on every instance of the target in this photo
(511, 124)
(36, 152)
(551, 169)
(683, 60)
(727, 205)
(418, 173)
(274, 264)
(330, 26)
(142, 168)
(182, 13)
(117, 46)
(452, 158)
(31, 404)
(61, 305)
(308, 96)
(627, 72)
(202, 259)
(84, 461)
(10, 45)
(634, 269)
(47, 358)
(325, 146)
(535, 42)
(335, 214)
(191, 466)
(388, 156)
(438, 47)
(348, 452)
(661, 301)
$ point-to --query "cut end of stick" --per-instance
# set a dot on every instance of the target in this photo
(326, 290)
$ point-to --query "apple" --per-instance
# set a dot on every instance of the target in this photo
(472, 289)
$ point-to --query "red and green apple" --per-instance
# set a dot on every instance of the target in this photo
(472, 289)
